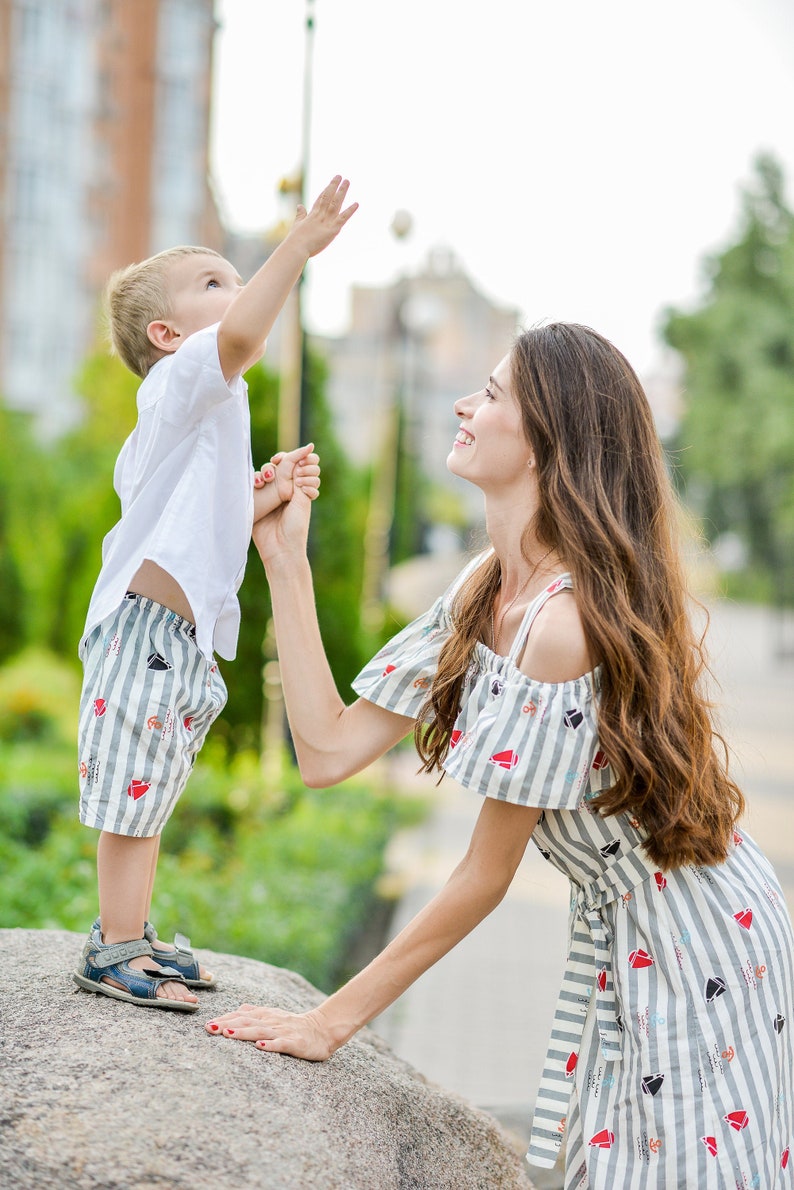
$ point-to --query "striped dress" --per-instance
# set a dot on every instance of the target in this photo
(670, 1063)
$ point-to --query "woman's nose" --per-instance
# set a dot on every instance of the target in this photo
(462, 406)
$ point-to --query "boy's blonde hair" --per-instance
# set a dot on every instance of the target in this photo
(137, 295)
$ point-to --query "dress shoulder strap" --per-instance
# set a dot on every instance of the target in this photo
(563, 582)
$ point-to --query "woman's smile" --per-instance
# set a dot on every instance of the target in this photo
(463, 438)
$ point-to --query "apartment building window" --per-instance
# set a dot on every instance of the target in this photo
(31, 29)
(38, 32)
(29, 189)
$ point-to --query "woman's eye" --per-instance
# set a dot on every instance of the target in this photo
(213, 284)
(489, 394)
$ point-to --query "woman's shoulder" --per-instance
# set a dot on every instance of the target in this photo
(556, 650)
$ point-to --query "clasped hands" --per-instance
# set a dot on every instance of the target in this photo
(291, 469)
(284, 490)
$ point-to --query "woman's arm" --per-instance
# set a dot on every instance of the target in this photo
(474, 889)
(332, 740)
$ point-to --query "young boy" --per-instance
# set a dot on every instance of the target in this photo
(166, 596)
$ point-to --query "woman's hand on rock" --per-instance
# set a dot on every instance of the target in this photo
(303, 1035)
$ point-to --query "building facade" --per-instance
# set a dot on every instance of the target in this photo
(104, 134)
(413, 348)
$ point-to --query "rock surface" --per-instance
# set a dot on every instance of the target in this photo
(96, 1093)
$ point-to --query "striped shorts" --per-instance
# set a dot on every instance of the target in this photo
(149, 697)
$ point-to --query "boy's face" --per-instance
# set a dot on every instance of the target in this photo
(201, 289)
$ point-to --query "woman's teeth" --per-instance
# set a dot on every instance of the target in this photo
(463, 438)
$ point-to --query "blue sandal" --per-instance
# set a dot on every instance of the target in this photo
(138, 987)
(181, 960)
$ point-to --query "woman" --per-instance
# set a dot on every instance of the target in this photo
(559, 678)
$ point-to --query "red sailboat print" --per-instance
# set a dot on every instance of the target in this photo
(388, 670)
(737, 1119)
(455, 737)
(784, 1159)
(505, 760)
(137, 789)
(603, 1139)
(570, 1065)
(601, 979)
(711, 1144)
(100, 706)
(661, 881)
(744, 918)
(640, 958)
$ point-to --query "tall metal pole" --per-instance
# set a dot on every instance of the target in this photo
(306, 128)
(383, 489)
(291, 415)
(292, 380)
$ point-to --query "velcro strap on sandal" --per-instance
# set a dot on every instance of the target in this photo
(164, 973)
(118, 952)
(181, 942)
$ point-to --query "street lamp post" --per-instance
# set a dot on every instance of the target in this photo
(291, 414)
(383, 488)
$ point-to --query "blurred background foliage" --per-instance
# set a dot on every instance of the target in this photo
(735, 443)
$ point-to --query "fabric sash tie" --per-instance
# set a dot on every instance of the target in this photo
(588, 972)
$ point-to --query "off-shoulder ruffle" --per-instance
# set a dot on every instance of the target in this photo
(529, 742)
(515, 739)
(399, 676)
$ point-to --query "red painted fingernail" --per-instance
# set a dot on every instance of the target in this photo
(230, 1032)
(213, 1026)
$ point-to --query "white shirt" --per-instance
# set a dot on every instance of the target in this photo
(185, 481)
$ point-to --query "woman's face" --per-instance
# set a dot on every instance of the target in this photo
(490, 449)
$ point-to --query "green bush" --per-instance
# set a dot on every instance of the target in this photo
(39, 695)
(287, 875)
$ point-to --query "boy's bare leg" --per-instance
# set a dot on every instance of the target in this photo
(148, 914)
(152, 874)
(124, 870)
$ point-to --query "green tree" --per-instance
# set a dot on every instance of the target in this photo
(411, 496)
(83, 464)
(56, 504)
(737, 436)
(22, 502)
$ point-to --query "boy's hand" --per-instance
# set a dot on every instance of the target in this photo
(282, 530)
(317, 228)
(250, 316)
(275, 483)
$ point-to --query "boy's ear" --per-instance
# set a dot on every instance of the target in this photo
(163, 336)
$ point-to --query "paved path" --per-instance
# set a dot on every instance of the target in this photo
(478, 1022)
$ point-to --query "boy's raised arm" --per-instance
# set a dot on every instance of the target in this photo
(249, 319)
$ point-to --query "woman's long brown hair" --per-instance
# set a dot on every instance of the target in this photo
(607, 507)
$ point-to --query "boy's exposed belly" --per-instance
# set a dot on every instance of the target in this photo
(151, 581)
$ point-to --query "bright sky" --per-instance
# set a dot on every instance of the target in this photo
(578, 157)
